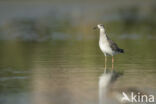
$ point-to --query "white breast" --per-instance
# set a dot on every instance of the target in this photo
(105, 48)
(104, 44)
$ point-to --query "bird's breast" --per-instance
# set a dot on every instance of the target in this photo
(105, 48)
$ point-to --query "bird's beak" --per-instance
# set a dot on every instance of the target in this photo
(95, 27)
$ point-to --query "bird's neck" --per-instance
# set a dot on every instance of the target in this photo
(103, 35)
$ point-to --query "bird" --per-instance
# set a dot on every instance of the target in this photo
(107, 46)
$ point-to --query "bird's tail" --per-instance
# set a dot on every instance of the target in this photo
(121, 50)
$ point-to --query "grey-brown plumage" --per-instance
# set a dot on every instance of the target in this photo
(114, 46)
(107, 46)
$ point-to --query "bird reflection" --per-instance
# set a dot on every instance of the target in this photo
(109, 95)
(105, 83)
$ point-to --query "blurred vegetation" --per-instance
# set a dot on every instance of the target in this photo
(130, 21)
(133, 22)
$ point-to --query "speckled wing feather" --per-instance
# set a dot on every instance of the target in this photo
(114, 46)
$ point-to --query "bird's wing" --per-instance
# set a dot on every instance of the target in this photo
(113, 45)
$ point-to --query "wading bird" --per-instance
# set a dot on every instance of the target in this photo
(107, 46)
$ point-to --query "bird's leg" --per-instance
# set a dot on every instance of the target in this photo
(105, 63)
(112, 62)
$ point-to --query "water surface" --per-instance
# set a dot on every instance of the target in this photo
(68, 71)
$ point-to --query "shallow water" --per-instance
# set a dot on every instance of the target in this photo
(68, 71)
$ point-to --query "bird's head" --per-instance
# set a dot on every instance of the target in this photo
(100, 26)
